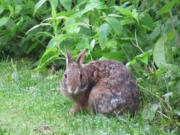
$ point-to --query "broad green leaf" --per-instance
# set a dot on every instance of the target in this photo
(166, 8)
(177, 112)
(104, 31)
(159, 55)
(81, 28)
(65, 36)
(108, 43)
(111, 44)
(53, 43)
(49, 56)
(160, 71)
(127, 12)
(18, 8)
(38, 5)
(1, 9)
(83, 43)
(92, 4)
(115, 24)
(169, 54)
(11, 9)
(135, 15)
(144, 57)
(155, 33)
(84, 31)
(54, 3)
(147, 20)
(170, 37)
(123, 11)
(66, 4)
(3, 21)
(149, 111)
(113, 55)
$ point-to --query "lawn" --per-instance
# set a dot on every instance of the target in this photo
(31, 103)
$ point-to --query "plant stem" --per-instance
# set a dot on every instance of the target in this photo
(137, 44)
(174, 30)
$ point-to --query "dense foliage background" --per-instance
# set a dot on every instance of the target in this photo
(143, 34)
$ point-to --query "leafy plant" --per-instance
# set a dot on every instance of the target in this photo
(15, 21)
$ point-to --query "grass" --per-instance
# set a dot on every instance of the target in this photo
(31, 103)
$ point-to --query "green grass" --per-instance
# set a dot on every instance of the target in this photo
(31, 103)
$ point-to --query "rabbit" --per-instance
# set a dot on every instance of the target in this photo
(103, 86)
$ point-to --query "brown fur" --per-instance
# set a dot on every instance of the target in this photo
(104, 86)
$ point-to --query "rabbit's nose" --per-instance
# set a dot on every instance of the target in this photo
(71, 89)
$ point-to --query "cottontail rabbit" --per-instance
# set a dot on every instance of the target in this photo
(104, 86)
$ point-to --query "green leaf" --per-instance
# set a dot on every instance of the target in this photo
(123, 11)
(92, 4)
(111, 44)
(62, 37)
(1, 9)
(135, 15)
(155, 33)
(149, 111)
(104, 31)
(38, 5)
(160, 71)
(159, 55)
(66, 4)
(167, 96)
(34, 45)
(18, 9)
(11, 9)
(83, 43)
(37, 26)
(54, 3)
(3, 21)
(49, 56)
(169, 54)
(144, 57)
(177, 112)
(113, 55)
(52, 43)
(166, 8)
(147, 20)
(115, 25)
(92, 44)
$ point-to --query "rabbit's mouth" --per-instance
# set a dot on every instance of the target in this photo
(70, 91)
(76, 91)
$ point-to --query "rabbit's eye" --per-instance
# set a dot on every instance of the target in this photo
(80, 76)
(65, 75)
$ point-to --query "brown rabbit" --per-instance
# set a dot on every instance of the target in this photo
(105, 86)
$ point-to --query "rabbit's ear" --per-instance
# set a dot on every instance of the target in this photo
(80, 58)
(68, 57)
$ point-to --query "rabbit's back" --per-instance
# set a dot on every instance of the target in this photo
(97, 70)
(113, 87)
